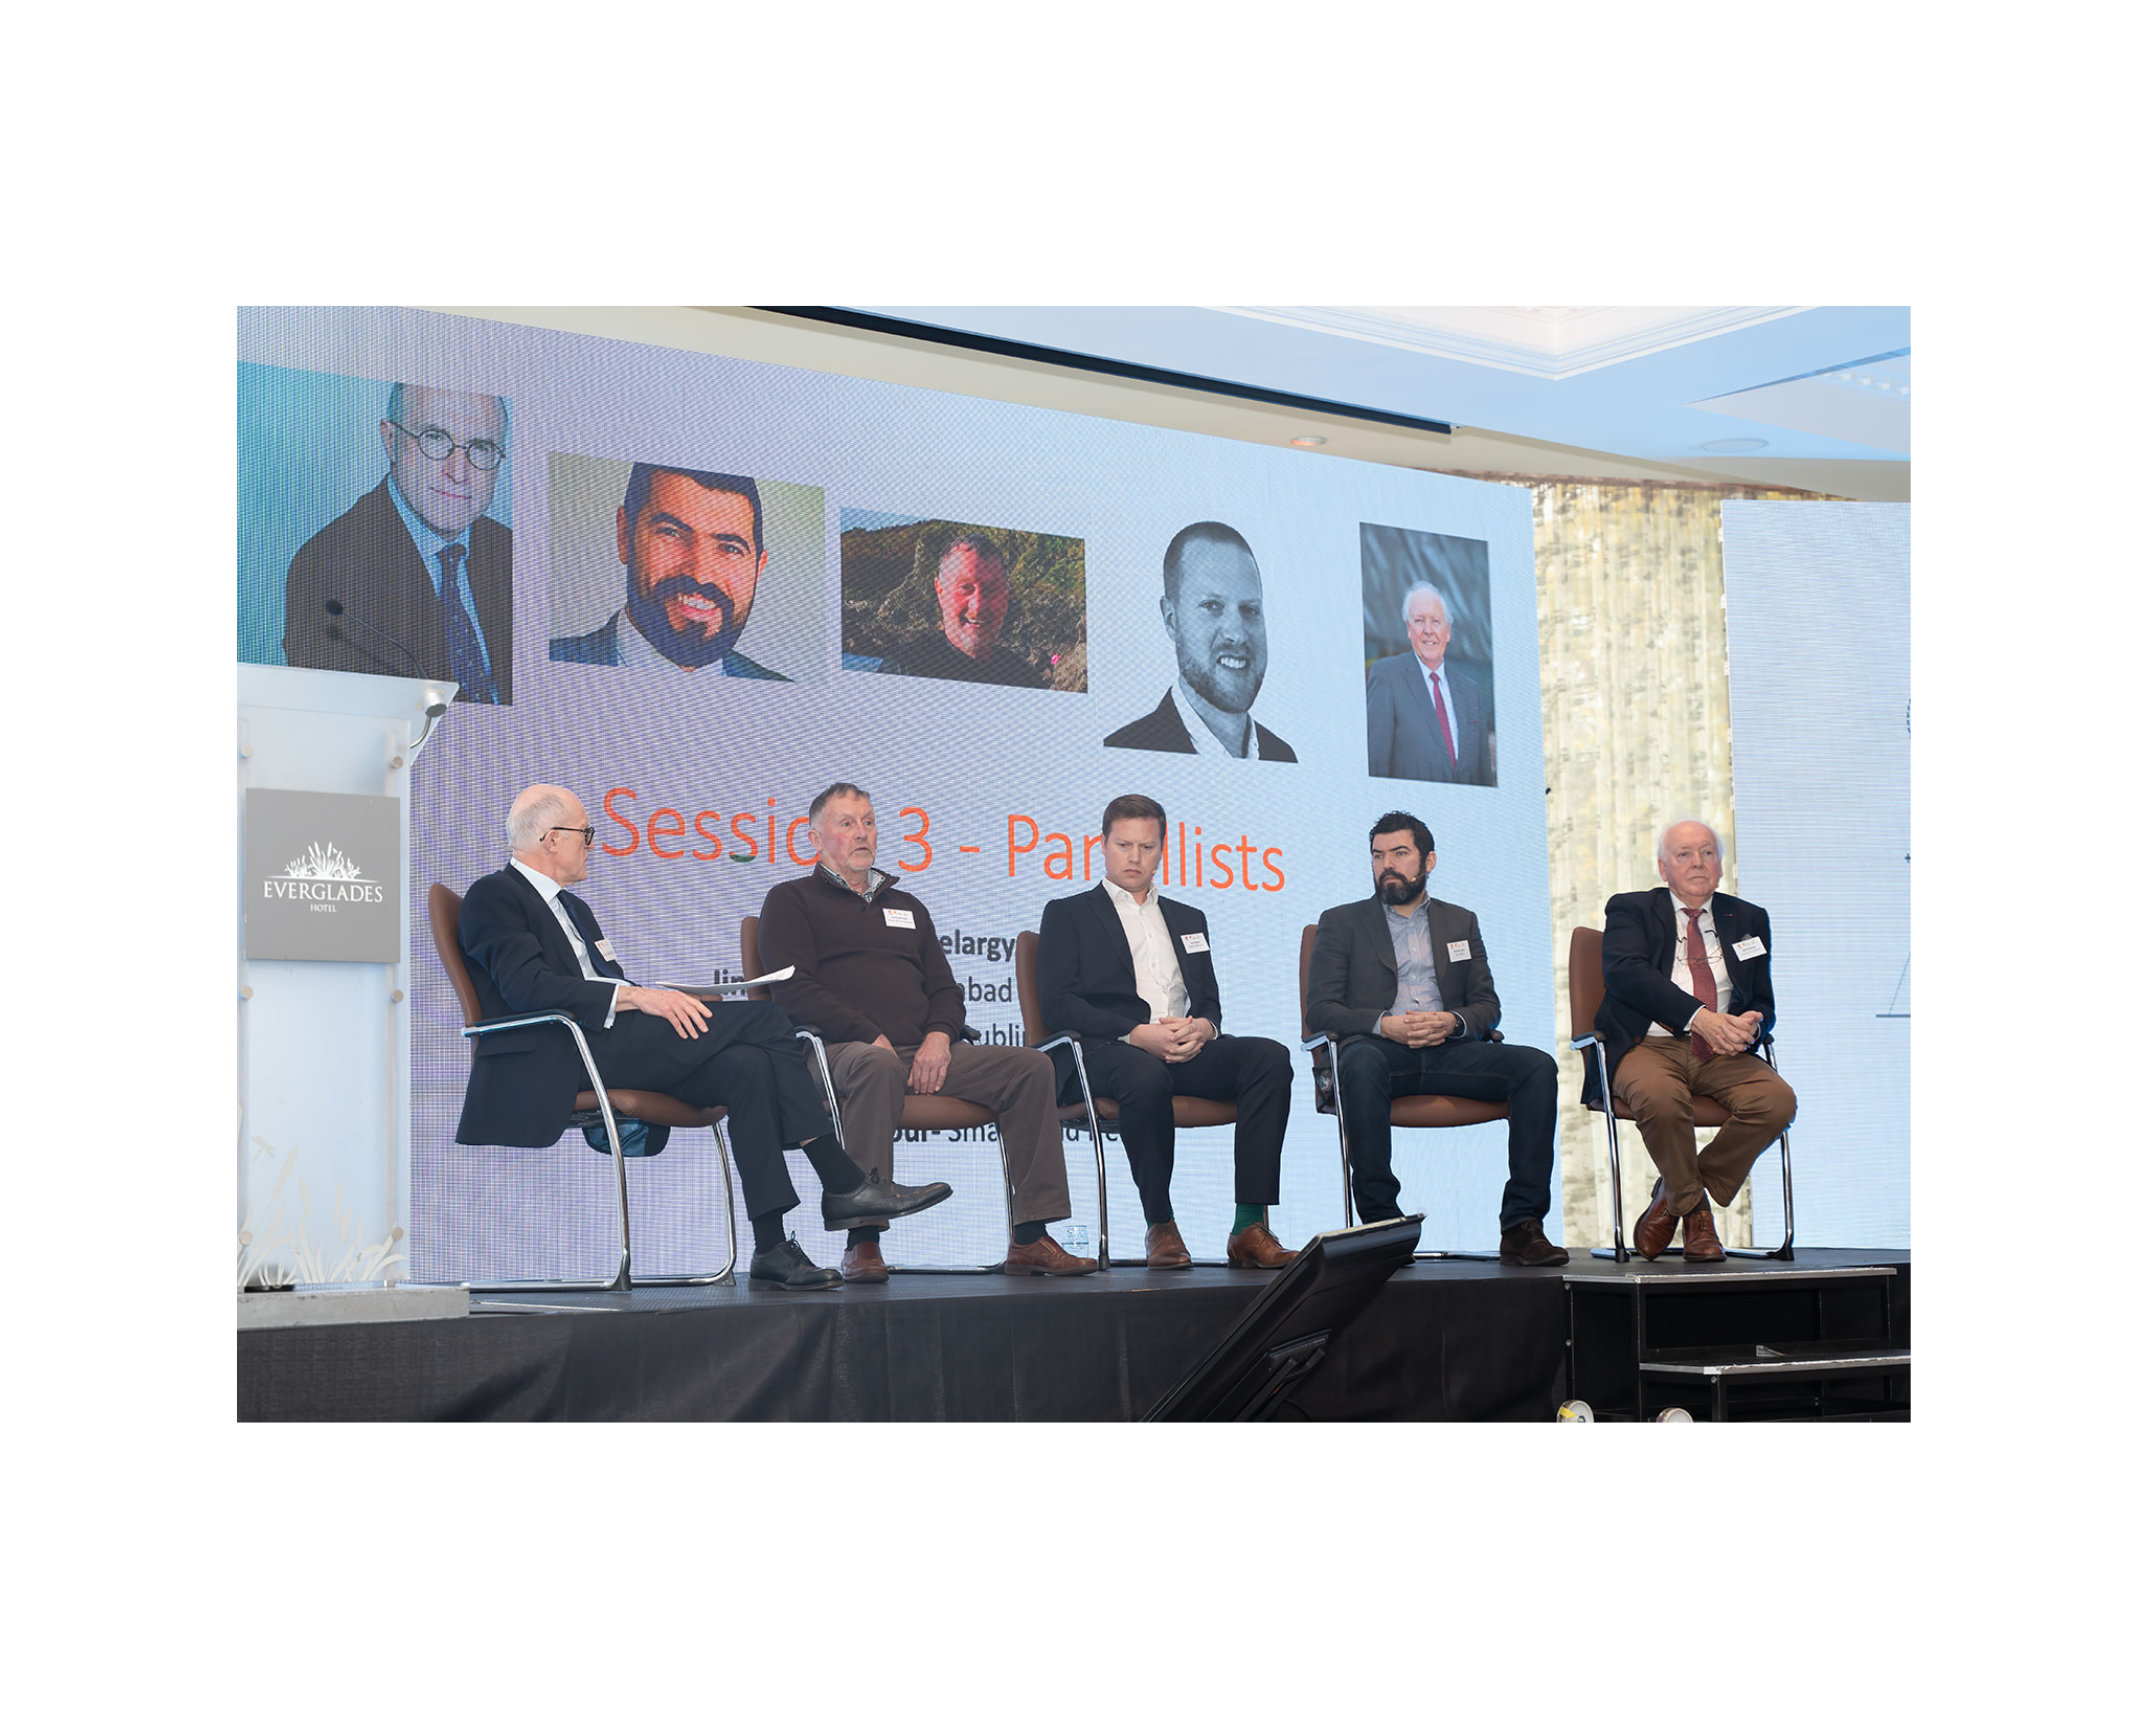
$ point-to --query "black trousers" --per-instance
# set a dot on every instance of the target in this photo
(1252, 1072)
(1376, 1070)
(745, 1060)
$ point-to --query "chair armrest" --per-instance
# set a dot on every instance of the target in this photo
(508, 1022)
(1055, 1040)
(1316, 1040)
(1587, 1041)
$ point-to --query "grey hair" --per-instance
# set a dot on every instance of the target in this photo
(1663, 840)
(1417, 588)
(841, 789)
(527, 823)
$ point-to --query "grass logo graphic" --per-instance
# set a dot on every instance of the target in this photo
(323, 877)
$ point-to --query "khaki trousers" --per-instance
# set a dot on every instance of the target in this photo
(1658, 1081)
(1015, 1084)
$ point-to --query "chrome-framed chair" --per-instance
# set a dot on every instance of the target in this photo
(598, 1104)
(933, 1114)
(1098, 1111)
(1584, 995)
(1412, 1110)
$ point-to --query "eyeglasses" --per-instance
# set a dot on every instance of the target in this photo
(437, 446)
(589, 834)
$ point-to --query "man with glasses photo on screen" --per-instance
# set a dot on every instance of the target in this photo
(1213, 614)
(415, 580)
(695, 552)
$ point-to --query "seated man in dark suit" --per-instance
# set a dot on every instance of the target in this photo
(1406, 978)
(532, 946)
(1673, 957)
(1425, 719)
(1218, 627)
(1129, 972)
(421, 579)
(694, 550)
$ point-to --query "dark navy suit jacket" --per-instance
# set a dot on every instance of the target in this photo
(1085, 970)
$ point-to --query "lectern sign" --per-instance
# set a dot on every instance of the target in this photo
(324, 877)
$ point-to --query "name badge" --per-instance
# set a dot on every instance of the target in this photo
(1750, 949)
(1458, 950)
(899, 919)
(1195, 942)
(604, 947)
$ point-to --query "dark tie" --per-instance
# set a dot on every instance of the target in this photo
(1703, 977)
(466, 660)
(1439, 707)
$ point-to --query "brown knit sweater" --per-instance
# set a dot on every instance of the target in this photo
(859, 976)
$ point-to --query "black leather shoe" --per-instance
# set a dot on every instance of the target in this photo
(873, 1202)
(1527, 1245)
(785, 1267)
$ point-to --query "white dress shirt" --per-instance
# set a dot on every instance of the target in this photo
(550, 890)
(1682, 974)
(1205, 742)
(1156, 971)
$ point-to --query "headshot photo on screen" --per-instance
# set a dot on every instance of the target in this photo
(369, 530)
(925, 597)
(675, 569)
(1218, 628)
(1428, 657)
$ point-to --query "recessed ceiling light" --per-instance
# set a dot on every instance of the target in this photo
(1733, 446)
(1311, 441)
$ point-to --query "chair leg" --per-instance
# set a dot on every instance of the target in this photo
(1618, 1203)
(1096, 1140)
(1342, 1141)
(723, 1274)
(619, 1280)
(1782, 1140)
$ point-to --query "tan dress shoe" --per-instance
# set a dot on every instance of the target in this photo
(1702, 1243)
(1165, 1247)
(1255, 1248)
(1653, 1230)
(863, 1265)
(1044, 1258)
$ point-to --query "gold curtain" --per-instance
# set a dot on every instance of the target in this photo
(1630, 628)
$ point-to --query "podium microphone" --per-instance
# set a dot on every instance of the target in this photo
(335, 609)
(433, 714)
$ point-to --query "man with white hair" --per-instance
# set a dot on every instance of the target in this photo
(1686, 998)
(532, 946)
(1424, 719)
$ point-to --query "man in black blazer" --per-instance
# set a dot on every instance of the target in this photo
(531, 946)
(1218, 627)
(1686, 998)
(422, 579)
(1404, 980)
(1426, 719)
(1130, 973)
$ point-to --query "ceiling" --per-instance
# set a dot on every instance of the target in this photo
(1807, 396)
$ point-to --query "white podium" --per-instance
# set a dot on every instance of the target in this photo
(324, 1044)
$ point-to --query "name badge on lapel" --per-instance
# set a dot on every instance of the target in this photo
(1458, 950)
(604, 947)
(1195, 942)
(899, 919)
(1750, 949)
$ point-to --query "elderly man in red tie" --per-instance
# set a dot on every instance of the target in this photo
(1687, 996)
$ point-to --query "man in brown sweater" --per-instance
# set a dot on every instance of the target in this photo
(872, 977)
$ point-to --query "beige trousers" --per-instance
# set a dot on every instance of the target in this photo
(1658, 1081)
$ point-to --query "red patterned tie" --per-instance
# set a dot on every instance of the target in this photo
(1439, 707)
(1703, 978)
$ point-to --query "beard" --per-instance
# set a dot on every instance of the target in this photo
(1232, 692)
(689, 647)
(1400, 891)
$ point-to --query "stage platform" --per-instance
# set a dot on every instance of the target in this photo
(1444, 1341)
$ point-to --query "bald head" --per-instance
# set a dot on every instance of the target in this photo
(448, 492)
(545, 829)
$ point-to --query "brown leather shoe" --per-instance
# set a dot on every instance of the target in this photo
(1524, 1245)
(1165, 1247)
(1653, 1230)
(1702, 1243)
(1256, 1249)
(1044, 1258)
(863, 1265)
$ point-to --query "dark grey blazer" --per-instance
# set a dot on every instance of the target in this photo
(1352, 979)
(1402, 740)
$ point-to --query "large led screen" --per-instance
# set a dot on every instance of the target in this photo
(958, 605)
